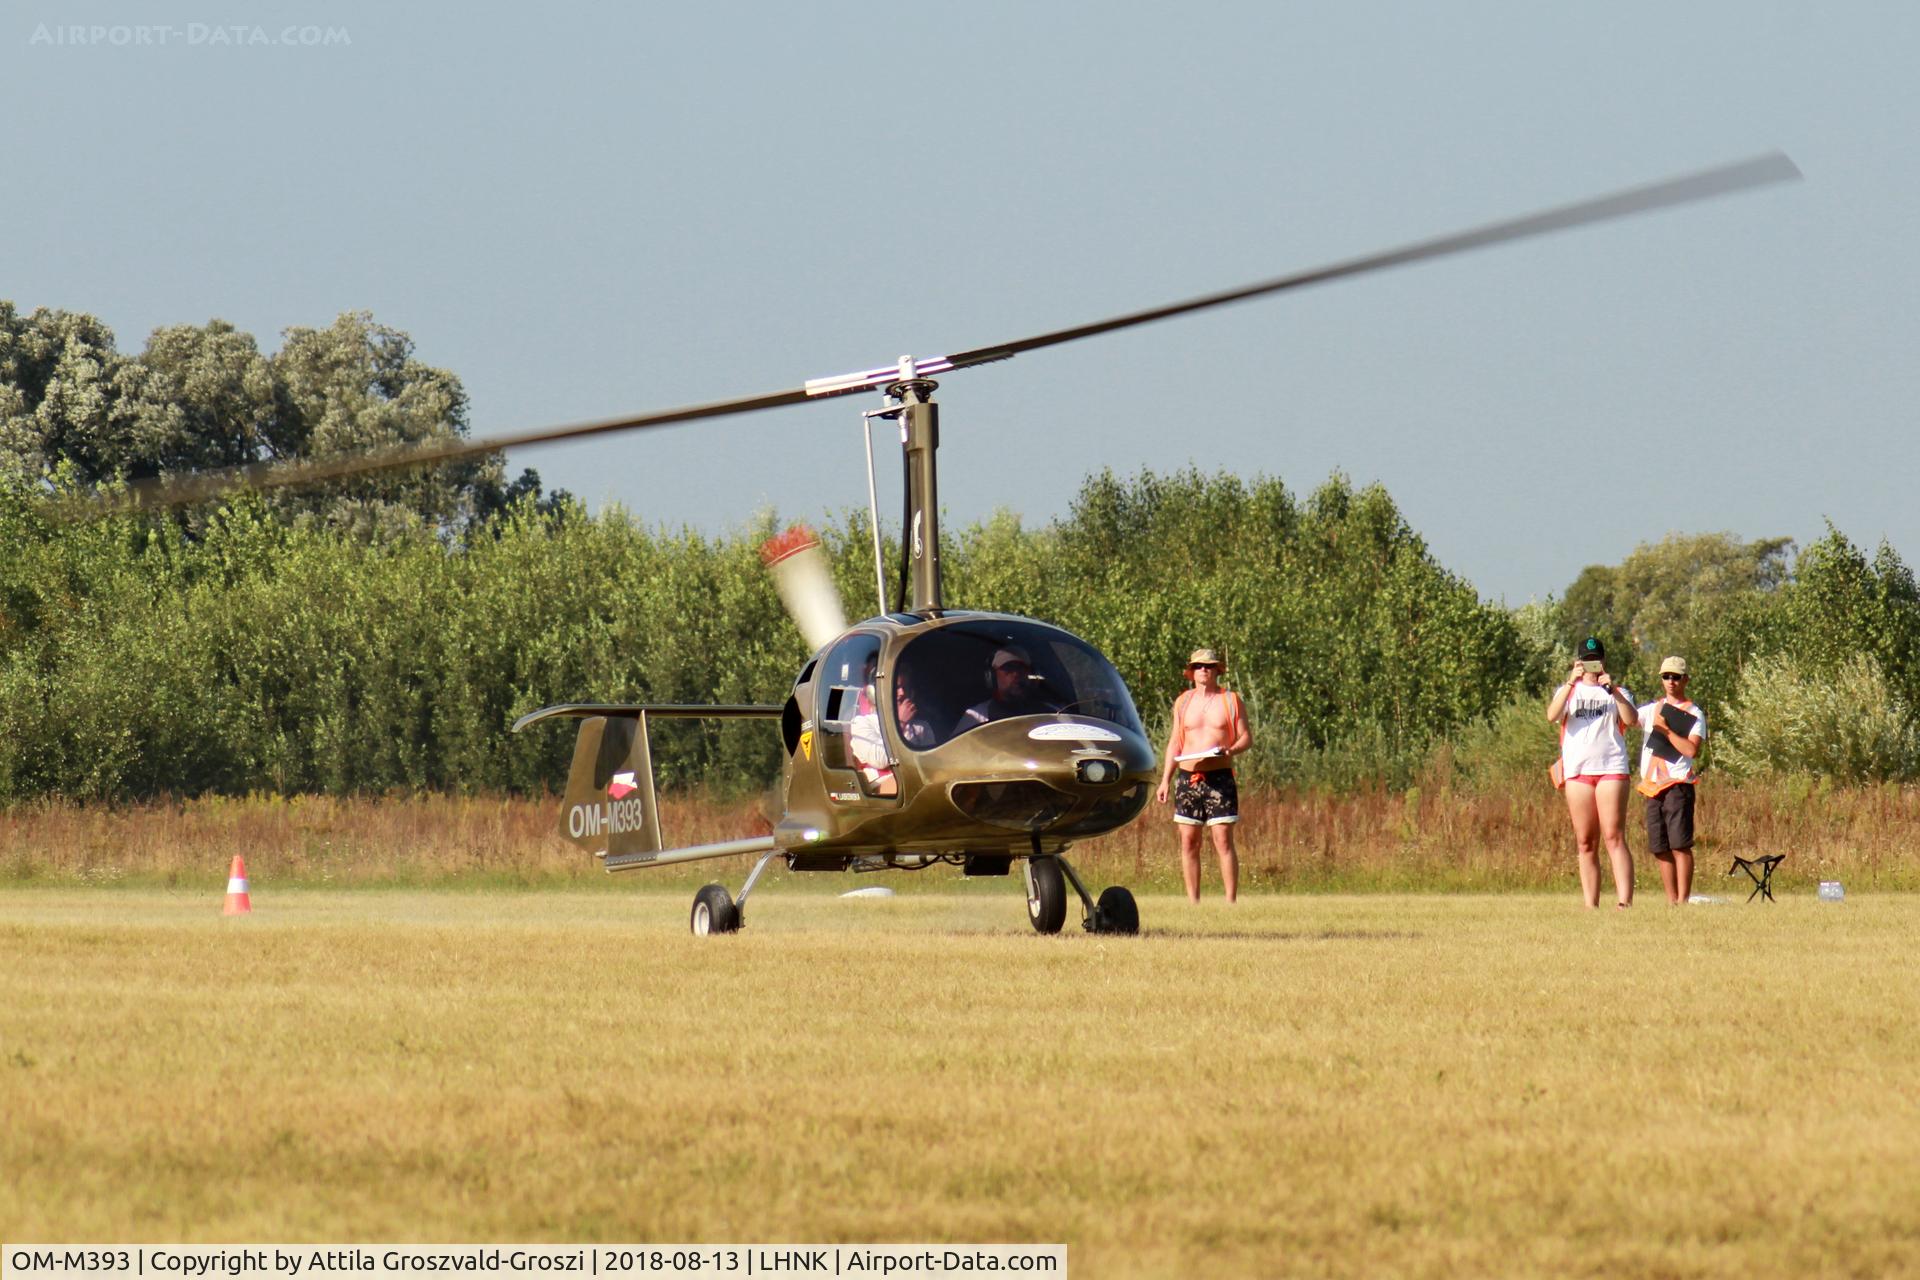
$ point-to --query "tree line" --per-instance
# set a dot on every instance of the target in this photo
(384, 633)
(250, 652)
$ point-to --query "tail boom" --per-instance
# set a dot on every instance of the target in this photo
(610, 809)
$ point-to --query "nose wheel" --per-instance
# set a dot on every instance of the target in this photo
(1049, 874)
(1046, 894)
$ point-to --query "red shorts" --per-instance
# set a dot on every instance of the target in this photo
(1591, 779)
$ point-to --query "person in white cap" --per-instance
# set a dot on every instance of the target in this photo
(1011, 682)
(1669, 771)
(1209, 729)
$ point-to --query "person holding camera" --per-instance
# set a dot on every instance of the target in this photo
(1593, 714)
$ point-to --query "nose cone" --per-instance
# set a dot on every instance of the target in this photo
(1053, 774)
(1051, 748)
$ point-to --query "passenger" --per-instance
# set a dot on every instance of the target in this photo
(1011, 678)
(868, 745)
(914, 731)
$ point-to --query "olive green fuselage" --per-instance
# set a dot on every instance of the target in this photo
(995, 776)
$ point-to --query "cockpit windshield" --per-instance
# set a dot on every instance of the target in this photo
(958, 678)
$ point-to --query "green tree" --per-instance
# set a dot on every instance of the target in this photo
(1339, 626)
(1672, 596)
(205, 397)
(1843, 604)
(58, 376)
(356, 386)
(198, 398)
(1838, 606)
(1845, 722)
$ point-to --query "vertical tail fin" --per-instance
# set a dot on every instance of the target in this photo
(609, 806)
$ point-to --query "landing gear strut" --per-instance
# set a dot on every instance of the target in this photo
(1048, 875)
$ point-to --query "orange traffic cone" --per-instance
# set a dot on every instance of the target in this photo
(238, 904)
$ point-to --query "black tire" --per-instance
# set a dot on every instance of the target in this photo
(1047, 900)
(713, 912)
(1116, 912)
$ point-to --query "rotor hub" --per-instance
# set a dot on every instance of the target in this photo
(917, 390)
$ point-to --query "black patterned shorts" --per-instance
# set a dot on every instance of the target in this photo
(1670, 819)
(1213, 800)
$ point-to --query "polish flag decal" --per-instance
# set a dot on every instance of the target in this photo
(622, 786)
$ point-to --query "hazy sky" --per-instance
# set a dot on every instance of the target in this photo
(591, 210)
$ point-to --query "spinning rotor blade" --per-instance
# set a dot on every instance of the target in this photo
(174, 490)
(1772, 167)
(805, 584)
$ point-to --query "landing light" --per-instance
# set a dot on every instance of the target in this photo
(1099, 771)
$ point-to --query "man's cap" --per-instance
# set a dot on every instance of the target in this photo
(1010, 653)
(1592, 648)
(1208, 656)
(1675, 665)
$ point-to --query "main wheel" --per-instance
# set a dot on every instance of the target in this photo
(1116, 912)
(1047, 899)
(714, 912)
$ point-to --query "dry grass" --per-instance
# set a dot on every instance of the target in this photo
(1317, 1085)
(321, 840)
(1520, 838)
(1419, 840)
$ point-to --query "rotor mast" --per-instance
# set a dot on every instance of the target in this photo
(920, 438)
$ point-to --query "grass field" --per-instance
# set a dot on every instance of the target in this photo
(1316, 1085)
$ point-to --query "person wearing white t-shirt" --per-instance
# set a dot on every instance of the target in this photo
(1669, 770)
(1593, 714)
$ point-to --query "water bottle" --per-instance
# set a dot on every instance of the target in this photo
(1830, 891)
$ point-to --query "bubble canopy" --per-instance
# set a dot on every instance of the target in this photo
(957, 678)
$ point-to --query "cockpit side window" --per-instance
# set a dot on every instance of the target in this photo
(847, 711)
(849, 665)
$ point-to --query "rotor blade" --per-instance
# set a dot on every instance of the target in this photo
(1772, 167)
(169, 491)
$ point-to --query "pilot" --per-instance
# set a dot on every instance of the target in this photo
(1012, 679)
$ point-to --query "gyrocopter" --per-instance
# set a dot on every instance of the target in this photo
(925, 734)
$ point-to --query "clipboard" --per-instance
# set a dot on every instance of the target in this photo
(1680, 722)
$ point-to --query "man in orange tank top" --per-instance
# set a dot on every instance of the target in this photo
(1209, 729)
